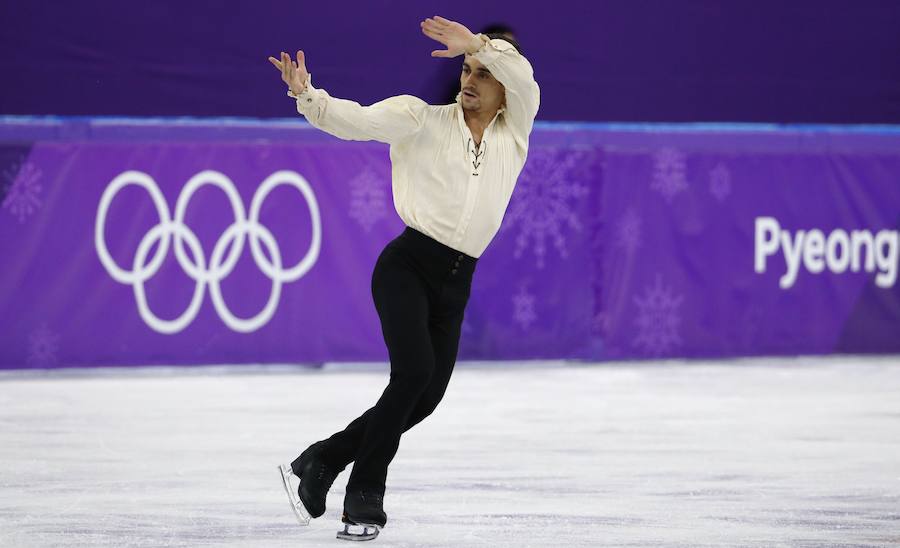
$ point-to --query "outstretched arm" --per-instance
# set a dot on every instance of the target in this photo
(388, 121)
(500, 57)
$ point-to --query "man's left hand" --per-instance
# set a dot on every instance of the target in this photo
(455, 36)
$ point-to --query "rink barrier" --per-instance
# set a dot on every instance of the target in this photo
(188, 241)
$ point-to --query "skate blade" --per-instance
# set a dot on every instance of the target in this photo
(369, 531)
(303, 516)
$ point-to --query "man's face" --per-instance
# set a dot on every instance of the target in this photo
(481, 92)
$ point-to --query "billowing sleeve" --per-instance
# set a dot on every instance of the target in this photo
(523, 96)
(388, 121)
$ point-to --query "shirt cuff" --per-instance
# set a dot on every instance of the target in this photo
(478, 42)
(306, 98)
(490, 49)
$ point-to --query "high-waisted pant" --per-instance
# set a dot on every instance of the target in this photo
(420, 287)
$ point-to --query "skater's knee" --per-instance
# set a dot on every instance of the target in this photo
(415, 379)
(425, 407)
(419, 414)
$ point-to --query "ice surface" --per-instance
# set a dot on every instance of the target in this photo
(776, 452)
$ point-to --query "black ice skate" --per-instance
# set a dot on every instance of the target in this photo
(363, 509)
(314, 478)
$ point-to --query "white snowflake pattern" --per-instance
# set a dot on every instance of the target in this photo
(720, 182)
(368, 200)
(669, 173)
(23, 189)
(546, 199)
(43, 345)
(628, 231)
(658, 319)
(523, 308)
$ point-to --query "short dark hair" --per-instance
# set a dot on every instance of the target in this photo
(502, 36)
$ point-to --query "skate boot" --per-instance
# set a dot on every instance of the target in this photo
(315, 477)
(362, 509)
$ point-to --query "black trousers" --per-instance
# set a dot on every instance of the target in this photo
(420, 287)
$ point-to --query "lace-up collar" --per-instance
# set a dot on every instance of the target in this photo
(475, 154)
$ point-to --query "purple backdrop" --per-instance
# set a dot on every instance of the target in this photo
(633, 60)
(620, 242)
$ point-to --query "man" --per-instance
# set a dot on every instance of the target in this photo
(454, 168)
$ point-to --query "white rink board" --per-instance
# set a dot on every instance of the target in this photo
(769, 452)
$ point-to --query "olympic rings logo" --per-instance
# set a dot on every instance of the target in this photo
(220, 265)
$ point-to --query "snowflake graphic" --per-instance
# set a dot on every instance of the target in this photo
(368, 200)
(669, 173)
(628, 231)
(720, 182)
(523, 308)
(23, 190)
(42, 347)
(546, 199)
(658, 319)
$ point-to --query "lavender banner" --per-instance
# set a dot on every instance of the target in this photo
(767, 243)
(173, 242)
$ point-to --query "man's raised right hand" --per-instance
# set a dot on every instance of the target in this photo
(293, 75)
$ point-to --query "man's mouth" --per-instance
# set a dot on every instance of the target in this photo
(469, 93)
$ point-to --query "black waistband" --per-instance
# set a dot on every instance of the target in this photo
(427, 241)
